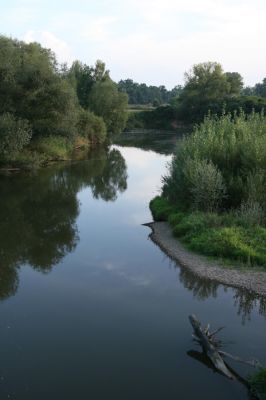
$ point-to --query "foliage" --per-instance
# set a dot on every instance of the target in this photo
(31, 88)
(82, 77)
(235, 82)
(258, 90)
(205, 182)
(227, 235)
(106, 102)
(160, 208)
(163, 117)
(220, 167)
(140, 93)
(258, 383)
(208, 88)
(91, 126)
(236, 147)
(14, 135)
(53, 147)
(39, 100)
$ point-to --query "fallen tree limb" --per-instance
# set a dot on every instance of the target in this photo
(209, 348)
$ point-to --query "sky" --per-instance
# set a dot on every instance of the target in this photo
(151, 41)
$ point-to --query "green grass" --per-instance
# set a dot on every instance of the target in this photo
(258, 383)
(42, 151)
(53, 147)
(225, 236)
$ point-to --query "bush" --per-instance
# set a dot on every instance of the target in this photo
(175, 219)
(14, 135)
(53, 147)
(226, 235)
(233, 243)
(160, 208)
(205, 184)
(258, 383)
(91, 126)
(223, 152)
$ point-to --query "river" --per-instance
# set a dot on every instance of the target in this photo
(90, 307)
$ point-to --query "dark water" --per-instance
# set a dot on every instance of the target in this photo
(90, 307)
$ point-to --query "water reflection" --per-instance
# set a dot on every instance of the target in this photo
(163, 142)
(204, 359)
(201, 288)
(244, 300)
(38, 213)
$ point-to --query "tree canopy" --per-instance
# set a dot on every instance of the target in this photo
(140, 93)
(39, 98)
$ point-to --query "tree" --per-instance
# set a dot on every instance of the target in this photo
(236, 83)
(32, 89)
(14, 135)
(91, 126)
(107, 102)
(206, 88)
(260, 88)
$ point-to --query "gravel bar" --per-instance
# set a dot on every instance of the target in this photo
(254, 281)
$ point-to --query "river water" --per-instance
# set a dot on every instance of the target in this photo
(90, 307)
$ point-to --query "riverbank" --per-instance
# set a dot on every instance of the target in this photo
(254, 281)
(45, 151)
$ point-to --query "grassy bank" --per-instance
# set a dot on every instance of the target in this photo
(43, 151)
(228, 236)
(214, 195)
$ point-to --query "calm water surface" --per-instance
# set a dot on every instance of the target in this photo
(90, 307)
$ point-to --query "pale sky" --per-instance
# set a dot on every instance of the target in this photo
(151, 41)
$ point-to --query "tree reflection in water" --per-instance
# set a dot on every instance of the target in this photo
(38, 213)
(244, 300)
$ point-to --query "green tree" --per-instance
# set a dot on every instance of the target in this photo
(91, 126)
(236, 83)
(206, 88)
(107, 102)
(14, 135)
(31, 88)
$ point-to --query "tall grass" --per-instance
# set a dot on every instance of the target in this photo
(221, 166)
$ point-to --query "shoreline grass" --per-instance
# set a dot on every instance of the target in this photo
(224, 236)
(46, 150)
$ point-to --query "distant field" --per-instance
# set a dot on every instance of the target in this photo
(140, 107)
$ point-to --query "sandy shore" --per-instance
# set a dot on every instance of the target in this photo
(251, 280)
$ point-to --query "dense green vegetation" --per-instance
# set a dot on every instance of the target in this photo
(45, 108)
(258, 90)
(258, 383)
(140, 93)
(214, 195)
(207, 89)
(163, 117)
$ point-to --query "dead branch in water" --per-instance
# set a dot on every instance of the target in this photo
(211, 345)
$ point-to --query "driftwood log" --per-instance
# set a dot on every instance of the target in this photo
(203, 336)
(211, 347)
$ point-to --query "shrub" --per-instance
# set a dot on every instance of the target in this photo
(160, 208)
(175, 218)
(231, 151)
(258, 383)
(14, 135)
(53, 147)
(251, 213)
(205, 183)
(91, 126)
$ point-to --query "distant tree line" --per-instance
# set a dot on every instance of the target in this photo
(140, 93)
(207, 90)
(258, 90)
(41, 99)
